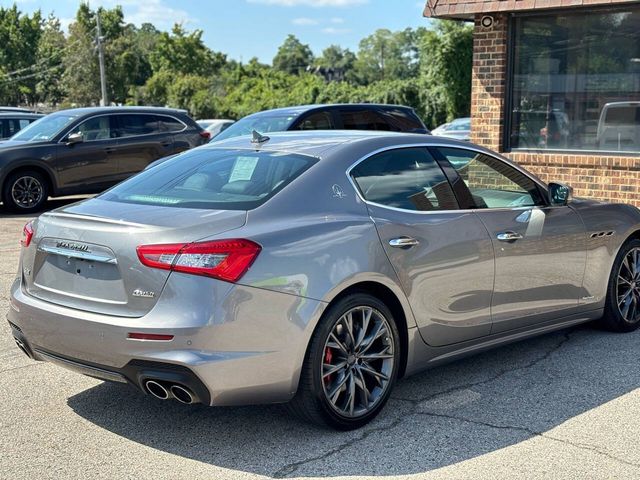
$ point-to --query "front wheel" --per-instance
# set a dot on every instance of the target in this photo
(25, 192)
(622, 308)
(351, 365)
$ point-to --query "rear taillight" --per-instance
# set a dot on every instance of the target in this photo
(27, 234)
(223, 259)
(206, 135)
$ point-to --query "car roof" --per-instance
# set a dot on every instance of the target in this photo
(127, 109)
(19, 115)
(320, 143)
(300, 109)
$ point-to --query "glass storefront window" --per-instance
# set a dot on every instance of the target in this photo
(576, 82)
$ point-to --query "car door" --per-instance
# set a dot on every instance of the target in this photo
(540, 250)
(141, 140)
(91, 164)
(442, 255)
(315, 120)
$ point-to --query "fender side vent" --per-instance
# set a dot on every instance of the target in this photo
(602, 234)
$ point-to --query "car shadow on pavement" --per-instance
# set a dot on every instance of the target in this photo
(441, 417)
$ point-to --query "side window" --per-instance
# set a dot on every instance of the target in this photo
(317, 121)
(24, 123)
(133, 125)
(169, 124)
(406, 178)
(96, 128)
(363, 120)
(14, 127)
(403, 120)
(492, 182)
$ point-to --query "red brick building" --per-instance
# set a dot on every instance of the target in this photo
(556, 87)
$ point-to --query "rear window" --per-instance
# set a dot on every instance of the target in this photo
(212, 179)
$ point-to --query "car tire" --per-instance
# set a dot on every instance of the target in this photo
(622, 307)
(25, 191)
(366, 354)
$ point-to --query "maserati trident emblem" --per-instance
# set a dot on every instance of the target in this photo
(143, 293)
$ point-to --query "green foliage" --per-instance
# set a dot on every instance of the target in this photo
(429, 70)
(293, 56)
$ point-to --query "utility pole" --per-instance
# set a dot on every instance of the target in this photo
(103, 80)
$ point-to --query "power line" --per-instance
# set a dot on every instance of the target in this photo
(42, 60)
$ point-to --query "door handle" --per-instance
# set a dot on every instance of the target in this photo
(109, 150)
(508, 236)
(403, 242)
(166, 144)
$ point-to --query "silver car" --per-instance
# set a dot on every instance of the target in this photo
(316, 268)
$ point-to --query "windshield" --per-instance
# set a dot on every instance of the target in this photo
(212, 179)
(260, 123)
(45, 128)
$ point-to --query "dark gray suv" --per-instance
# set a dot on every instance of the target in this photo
(86, 150)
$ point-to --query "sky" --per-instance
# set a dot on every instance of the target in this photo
(255, 28)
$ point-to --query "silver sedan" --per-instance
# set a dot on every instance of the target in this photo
(317, 269)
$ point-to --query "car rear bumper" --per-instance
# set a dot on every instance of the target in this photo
(248, 349)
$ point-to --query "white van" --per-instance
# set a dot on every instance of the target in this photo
(619, 127)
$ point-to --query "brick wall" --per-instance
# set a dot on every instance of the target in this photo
(613, 178)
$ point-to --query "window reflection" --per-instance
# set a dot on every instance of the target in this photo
(576, 83)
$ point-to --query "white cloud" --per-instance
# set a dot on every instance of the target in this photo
(311, 3)
(149, 11)
(337, 20)
(304, 21)
(335, 31)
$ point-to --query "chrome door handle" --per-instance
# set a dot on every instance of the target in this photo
(508, 236)
(403, 242)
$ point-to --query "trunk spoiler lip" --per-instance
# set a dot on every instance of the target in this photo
(95, 218)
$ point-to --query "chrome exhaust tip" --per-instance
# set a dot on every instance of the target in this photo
(21, 346)
(182, 394)
(156, 389)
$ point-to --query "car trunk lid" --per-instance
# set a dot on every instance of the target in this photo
(84, 256)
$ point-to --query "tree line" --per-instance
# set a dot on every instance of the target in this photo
(426, 68)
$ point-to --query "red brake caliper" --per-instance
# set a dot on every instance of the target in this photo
(328, 356)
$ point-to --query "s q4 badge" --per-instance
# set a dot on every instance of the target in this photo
(143, 293)
(338, 192)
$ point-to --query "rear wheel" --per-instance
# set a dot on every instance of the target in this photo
(25, 191)
(622, 309)
(351, 365)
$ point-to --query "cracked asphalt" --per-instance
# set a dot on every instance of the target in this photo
(565, 405)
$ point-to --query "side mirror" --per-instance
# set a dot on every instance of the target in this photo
(559, 193)
(74, 138)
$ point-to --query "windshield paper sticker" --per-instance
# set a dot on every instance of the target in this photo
(243, 168)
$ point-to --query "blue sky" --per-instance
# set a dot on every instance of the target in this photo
(248, 28)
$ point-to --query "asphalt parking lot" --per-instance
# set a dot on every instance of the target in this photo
(566, 405)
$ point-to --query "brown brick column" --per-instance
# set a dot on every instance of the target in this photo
(488, 82)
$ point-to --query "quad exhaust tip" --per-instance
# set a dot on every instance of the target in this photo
(180, 393)
(157, 390)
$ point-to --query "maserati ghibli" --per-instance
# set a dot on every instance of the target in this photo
(316, 268)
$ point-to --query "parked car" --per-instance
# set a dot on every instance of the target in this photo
(619, 127)
(365, 116)
(460, 129)
(316, 268)
(12, 123)
(546, 129)
(87, 150)
(215, 126)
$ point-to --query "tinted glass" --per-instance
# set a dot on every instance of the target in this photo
(212, 179)
(363, 120)
(406, 178)
(262, 123)
(317, 121)
(133, 125)
(403, 120)
(570, 72)
(492, 182)
(169, 124)
(45, 128)
(96, 128)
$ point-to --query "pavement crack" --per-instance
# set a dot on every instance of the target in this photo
(22, 366)
(533, 433)
(565, 338)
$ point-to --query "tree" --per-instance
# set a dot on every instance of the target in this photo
(336, 63)
(19, 37)
(51, 49)
(293, 56)
(447, 56)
